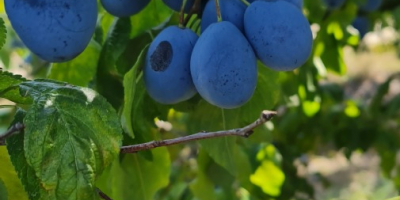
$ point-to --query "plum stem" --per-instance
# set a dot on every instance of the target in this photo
(217, 8)
(245, 2)
(182, 15)
(242, 132)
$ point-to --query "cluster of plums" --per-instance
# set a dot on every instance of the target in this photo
(59, 30)
(221, 63)
(360, 23)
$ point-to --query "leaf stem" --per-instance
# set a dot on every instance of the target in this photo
(242, 132)
(182, 15)
(13, 129)
(217, 8)
(7, 106)
(194, 10)
(245, 2)
(102, 195)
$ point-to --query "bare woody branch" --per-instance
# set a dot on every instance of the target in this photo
(242, 132)
(13, 129)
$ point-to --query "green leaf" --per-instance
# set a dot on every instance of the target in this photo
(268, 175)
(130, 83)
(71, 135)
(3, 191)
(15, 147)
(3, 33)
(131, 54)
(108, 80)
(9, 87)
(135, 177)
(81, 70)
(202, 187)
(155, 14)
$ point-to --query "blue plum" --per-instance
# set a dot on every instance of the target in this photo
(167, 70)
(224, 66)
(231, 10)
(55, 30)
(297, 3)
(370, 5)
(177, 4)
(361, 24)
(124, 8)
(279, 34)
(333, 4)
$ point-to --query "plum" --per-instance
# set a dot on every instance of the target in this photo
(370, 5)
(224, 66)
(124, 8)
(167, 70)
(55, 30)
(297, 3)
(231, 10)
(361, 24)
(279, 34)
(333, 4)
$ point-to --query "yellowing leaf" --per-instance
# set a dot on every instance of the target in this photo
(269, 177)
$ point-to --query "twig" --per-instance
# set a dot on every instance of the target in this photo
(243, 132)
(194, 10)
(102, 195)
(15, 128)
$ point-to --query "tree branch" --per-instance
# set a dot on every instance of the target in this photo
(243, 132)
(13, 129)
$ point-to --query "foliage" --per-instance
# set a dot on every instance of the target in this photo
(79, 113)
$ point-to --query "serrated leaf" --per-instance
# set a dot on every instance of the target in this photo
(9, 87)
(71, 135)
(130, 83)
(134, 177)
(3, 191)
(3, 33)
(15, 147)
(81, 70)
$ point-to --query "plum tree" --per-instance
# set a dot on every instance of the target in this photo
(224, 66)
(167, 70)
(231, 10)
(55, 30)
(124, 8)
(297, 3)
(370, 5)
(361, 24)
(177, 4)
(333, 4)
(283, 43)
